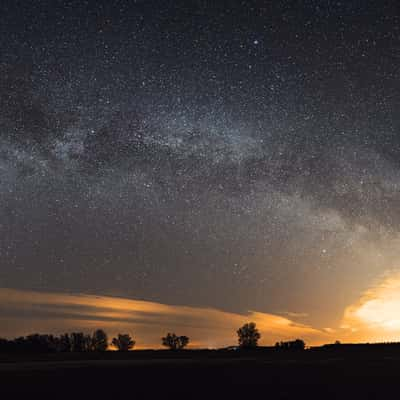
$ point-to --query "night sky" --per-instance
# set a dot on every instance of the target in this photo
(231, 155)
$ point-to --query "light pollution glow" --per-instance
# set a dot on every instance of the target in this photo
(374, 317)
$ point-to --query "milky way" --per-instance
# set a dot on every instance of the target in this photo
(240, 156)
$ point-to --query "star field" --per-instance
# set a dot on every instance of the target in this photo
(239, 155)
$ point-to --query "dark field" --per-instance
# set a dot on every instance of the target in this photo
(362, 372)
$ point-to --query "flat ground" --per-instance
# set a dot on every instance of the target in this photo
(369, 373)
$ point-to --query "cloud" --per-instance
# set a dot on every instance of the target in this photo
(24, 312)
(291, 314)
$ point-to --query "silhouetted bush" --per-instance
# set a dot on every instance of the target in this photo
(174, 342)
(297, 344)
(123, 342)
(248, 335)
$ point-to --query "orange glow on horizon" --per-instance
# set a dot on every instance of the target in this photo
(372, 318)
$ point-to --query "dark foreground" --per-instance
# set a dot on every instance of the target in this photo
(191, 375)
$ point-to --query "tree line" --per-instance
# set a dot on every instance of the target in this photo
(248, 337)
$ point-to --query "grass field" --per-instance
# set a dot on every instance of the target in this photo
(364, 373)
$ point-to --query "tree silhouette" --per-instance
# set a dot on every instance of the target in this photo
(37, 343)
(99, 340)
(81, 342)
(64, 343)
(174, 342)
(123, 342)
(248, 335)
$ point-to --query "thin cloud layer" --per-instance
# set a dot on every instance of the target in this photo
(24, 312)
